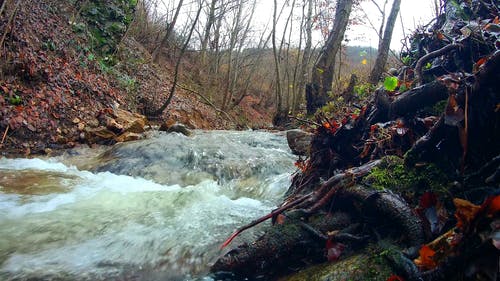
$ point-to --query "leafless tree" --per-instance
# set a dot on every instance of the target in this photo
(322, 74)
(178, 64)
(384, 44)
(168, 33)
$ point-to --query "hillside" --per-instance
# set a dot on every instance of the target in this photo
(66, 65)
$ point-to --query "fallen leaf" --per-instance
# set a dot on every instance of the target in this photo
(395, 278)
(465, 213)
(425, 259)
(334, 250)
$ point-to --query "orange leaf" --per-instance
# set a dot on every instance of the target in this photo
(440, 36)
(395, 278)
(425, 260)
(496, 20)
(478, 63)
(481, 61)
(494, 205)
(465, 213)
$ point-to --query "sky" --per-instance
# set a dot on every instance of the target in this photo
(413, 13)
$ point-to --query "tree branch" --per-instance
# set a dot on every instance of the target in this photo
(431, 55)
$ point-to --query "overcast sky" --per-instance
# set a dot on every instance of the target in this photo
(413, 13)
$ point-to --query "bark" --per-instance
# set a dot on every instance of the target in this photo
(322, 73)
(170, 29)
(276, 61)
(232, 44)
(383, 51)
(206, 34)
(177, 66)
(216, 43)
(407, 103)
(307, 53)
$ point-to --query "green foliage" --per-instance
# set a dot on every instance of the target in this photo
(49, 45)
(403, 88)
(460, 11)
(15, 100)
(79, 27)
(364, 90)
(329, 108)
(105, 22)
(129, 84)
(439, 107)
(428, 66)
(391, 83)
(406, 60)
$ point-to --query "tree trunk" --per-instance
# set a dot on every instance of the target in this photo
(177, 65)
(206, 35)
(170, 29)
(307, 52)
(322, 73)
(276, 62)
(235, 31)
(383, 51)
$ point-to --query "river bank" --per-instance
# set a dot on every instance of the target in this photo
(64, 73)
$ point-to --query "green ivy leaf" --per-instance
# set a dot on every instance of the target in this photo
(15, 100)
(390, 83)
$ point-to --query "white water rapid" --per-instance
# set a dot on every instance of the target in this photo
(155, 209)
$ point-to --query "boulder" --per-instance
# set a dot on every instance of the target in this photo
(299, 141)
(175, 128)
(119, 125)
(131, 122)
(128, 136)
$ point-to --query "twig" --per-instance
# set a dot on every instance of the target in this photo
(323, 195)
(318, 198)
(207, 101)
(5, 134)
(3, 6)
(9, 22)
(264, 218)
(305, 121)
(437, 53)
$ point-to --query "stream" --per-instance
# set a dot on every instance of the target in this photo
(154, 209)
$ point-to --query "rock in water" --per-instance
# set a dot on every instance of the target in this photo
(299, 141)
(175, 128)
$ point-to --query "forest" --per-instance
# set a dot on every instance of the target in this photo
(249, 140)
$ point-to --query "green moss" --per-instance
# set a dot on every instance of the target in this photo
(106, 22)
(439, 107)
(392, 174)
(360, 267)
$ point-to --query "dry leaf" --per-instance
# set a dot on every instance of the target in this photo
(425, 259)
(465, 213)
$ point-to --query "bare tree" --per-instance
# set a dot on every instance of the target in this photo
(306, 55)
(178, 63)
(384, 44)
(235, 31)
(206, 33)
(322, 74)
(170, 29)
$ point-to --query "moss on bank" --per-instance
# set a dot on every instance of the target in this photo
(393, 175)
(360, 267)
(105, 22)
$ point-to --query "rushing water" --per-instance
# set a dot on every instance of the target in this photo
(155, 209)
